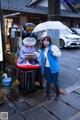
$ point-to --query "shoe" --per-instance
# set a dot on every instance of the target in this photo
(57, 97)
(48, 97)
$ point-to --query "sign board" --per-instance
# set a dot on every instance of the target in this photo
(1, 49)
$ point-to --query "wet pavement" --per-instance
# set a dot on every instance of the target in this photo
(35, 107)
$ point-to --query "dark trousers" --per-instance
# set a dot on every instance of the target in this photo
(51, 78)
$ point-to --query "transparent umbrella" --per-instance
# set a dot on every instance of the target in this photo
(51, 28)
(49, 25)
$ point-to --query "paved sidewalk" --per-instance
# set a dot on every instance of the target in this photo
(34, 107)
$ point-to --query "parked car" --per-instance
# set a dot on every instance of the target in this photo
(76, 30)
(68, 39)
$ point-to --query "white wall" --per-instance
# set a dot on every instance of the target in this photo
(43, 3)
(1, 50)
(63, 7)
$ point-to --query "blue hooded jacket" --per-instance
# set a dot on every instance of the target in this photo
(53, 61)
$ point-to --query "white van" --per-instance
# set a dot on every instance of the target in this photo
(58, 32)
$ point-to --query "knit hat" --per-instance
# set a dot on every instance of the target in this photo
(29, 41)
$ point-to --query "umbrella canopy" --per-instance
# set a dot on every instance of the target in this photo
(49, 25)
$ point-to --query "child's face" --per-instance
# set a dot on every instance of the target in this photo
(46, 43)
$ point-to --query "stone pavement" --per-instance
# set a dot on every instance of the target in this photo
(35, 107)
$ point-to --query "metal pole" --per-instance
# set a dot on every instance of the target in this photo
(54, 10)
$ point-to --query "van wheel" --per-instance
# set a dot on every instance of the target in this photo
(61, 44)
